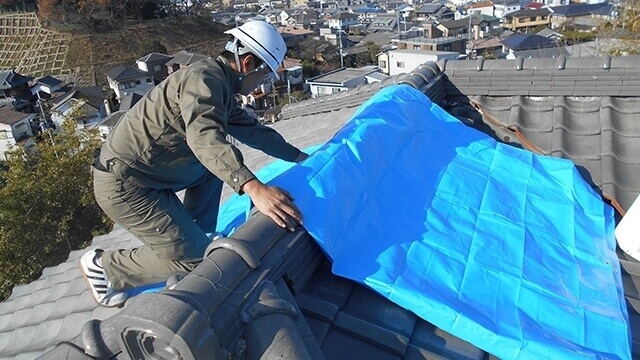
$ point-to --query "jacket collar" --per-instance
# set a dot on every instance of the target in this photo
(231, 75)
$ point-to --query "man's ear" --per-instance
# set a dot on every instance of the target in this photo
(246, 63)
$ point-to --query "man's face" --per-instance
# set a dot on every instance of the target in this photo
(255, 76)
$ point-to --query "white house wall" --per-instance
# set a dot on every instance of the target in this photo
(6, 138)
(410, 61)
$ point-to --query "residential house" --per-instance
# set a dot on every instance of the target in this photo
(293, 35)
(580, 16)
(532, 46)
(108, 122)
(394, 62)
(550, 3)
(154, 64)
(527, 19)
(15, 128)
(481, 8)
(433, 11)
(488, 48)
(550, 34)
(305, 18)
(384, 22)
(342, 21)
(46, 85)
(126, 79)
(272, 16)
(502, 8)
(367, 14)
(481, 26)
(284, 15)
(338, 80)
(416, 40)
(14, 88)
(335, 318)
(86, 105)
(183, 59)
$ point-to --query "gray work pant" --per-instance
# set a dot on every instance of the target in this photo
(172, 231)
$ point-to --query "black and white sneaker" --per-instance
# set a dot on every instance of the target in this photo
(96, 279)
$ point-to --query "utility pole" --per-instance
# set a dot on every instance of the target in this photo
(340, 42)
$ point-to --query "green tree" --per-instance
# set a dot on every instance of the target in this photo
(47, 206)
(624, 29)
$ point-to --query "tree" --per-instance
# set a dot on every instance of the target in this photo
(47, 206)
(625, 28)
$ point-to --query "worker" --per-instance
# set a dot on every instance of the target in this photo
(176, 138)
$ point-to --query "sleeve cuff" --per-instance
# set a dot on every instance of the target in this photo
(240, 177)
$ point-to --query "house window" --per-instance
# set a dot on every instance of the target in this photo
(157, 67)
(122, 86)
(543, 17)
(533, 18)
(335, 90)
(383, 64)
(400, 64)
(416, 47)
(3, 134)
(149, 81)
(137, 83)
(522, 20)
(446, 47)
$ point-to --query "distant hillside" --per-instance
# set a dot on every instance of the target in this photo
(83, 58)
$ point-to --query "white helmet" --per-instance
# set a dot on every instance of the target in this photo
(260, 39)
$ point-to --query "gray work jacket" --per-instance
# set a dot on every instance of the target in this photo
(177, 132)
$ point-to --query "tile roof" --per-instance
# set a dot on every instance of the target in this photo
(94, 96)
(10, 79)
(529, 12)
(528, 42)
(581, 9)
(154, 56)
(584, 109)
(185, 58)
(9, 116)
(123, 73)
(49, 81)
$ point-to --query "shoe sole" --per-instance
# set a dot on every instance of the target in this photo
(91, 289)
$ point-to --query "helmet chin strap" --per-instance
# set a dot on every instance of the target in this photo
(233, 47)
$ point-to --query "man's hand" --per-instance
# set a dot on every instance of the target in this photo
(274, 202)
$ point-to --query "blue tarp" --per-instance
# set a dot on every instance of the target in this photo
(508, 250)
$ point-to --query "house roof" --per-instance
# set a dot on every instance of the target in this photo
(484, 43)
(124, 73)
(340, 76)
(293, 31)
(8, 116)
(111, 120)
(431, 8)
(49, 81)
(185, 58)
(129, 99)
(528, 41)
(581, 9)
(552, 52)
(153, 57)
(584, 109)
(464, 22)
(481, 4)
(548, 33)
(10, 79)
(529, 12)
(94, 96)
